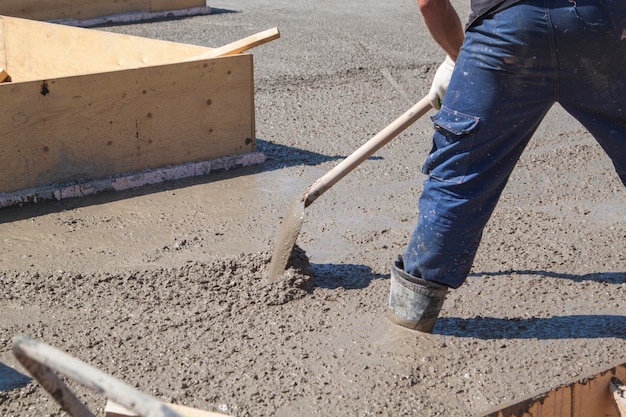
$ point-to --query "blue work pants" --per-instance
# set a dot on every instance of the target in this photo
(513, 66)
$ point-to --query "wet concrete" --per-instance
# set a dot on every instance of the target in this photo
(164, 286)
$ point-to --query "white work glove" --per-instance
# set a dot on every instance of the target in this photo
(440, 83)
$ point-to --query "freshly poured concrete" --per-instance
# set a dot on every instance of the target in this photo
(164, 287)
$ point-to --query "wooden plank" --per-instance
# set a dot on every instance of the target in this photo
(38, 50)
(98, 125)
(46, 362)
(587, 397)
(54, 385)
(3, 60)
(69, 9)
(113, 409)
(618, 392)
(241, 45)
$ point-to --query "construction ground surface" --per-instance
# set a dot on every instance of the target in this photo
(163, 287)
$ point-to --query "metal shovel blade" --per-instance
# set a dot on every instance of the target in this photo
(289, 230)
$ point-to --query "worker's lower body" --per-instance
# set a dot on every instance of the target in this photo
(512, 68)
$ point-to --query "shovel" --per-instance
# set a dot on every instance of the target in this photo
(240, 46)
(292, 223)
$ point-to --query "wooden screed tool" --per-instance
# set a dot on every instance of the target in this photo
(292, 223)
(240, 46)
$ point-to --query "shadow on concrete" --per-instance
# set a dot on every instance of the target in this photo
(557, 327)
(167, 18)
(346, 276)
(605, 277)
(217, 10)
(545, 328)
(11, 379)
(278, 157)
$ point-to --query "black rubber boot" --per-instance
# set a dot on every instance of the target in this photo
(414, 302)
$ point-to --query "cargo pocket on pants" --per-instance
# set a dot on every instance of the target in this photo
(452, 141)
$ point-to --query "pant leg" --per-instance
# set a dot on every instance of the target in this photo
(592, 71)
(503, 85)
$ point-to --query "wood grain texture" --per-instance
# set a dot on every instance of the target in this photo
(85, 9)
(586, 397)
(618, 392)
(39, 50)
(3, 60)
(97, 125)
(161, 5)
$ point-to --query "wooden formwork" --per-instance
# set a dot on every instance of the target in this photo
(88, 9)
(85, 105)
(47, 364)
(586, 397)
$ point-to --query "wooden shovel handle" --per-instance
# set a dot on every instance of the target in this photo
(240, 46)
(366, 150)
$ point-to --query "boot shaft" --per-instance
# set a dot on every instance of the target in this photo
(414, 302)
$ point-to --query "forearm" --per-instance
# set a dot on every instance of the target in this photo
(444, 24)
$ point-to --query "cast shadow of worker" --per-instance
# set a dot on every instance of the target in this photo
(346, 276)
(575, 326)
(586, 326)
(281, 156)
(604, 277)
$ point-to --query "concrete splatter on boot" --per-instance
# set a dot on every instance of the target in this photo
(414, 302)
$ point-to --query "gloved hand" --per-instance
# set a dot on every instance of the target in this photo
(440, 83)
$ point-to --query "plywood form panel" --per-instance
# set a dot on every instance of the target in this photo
(66, 9)
(3, 61)
(85, 9)
(588, 397)
(38, 50)
(94, 126)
